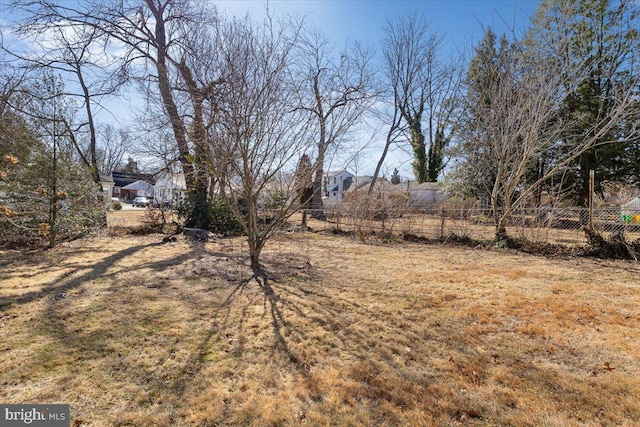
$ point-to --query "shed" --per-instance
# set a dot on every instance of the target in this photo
(427, 193)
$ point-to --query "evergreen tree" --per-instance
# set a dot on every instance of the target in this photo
(45, 193)
(474, 177)
(602, 39)
(395, 177)
(130, 167)
(304, 184)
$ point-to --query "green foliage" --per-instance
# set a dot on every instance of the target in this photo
(195, 209)
(223, 219)
(29, 199)
(213, 215)
(276, 199)
(603, 42)
(305, 196)
(395, 177)
(45, 194)
(473, 176)
(304, 185)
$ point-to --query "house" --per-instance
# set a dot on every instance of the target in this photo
(122, 179)
(427, 193)
(169, 188)
(360, 187)
(336, 183)
(360, 181)
(107, 187)
(139, 188)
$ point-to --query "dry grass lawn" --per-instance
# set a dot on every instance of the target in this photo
(133, 332)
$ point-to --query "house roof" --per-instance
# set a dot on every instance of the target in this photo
(121, 179)
(176, 181)
(360, 181)
(330, 174)
(138, 185)
(425, 186)
(382, 184)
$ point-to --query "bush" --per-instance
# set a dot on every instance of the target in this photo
(213, 215)
(276, 199)
(116, 205)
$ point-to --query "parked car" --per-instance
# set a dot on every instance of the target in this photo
(141, 202)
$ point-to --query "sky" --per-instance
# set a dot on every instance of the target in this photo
(460, 22)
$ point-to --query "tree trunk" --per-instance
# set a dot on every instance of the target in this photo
(316, 199)
(254, 256)
(164, 85)
(256, 243)
(435, 156)
(419, 153)
(501, 232)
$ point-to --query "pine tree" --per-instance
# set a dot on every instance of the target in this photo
(395, 177)
(603, 41)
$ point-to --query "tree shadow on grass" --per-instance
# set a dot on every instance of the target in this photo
(69, 281)
(304, 316)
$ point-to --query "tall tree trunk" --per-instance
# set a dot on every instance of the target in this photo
(435, 156)
(419, 151)
(164, 85)
(254, 239)
(199, 189)
(316, 199)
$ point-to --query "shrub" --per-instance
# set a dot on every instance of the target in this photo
(213, 215)
(116, 205)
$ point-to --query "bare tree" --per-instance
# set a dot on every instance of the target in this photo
(74, 51)
(426, 86)
(515, 95)
(111, 146)
(155, 38)
(336, 93)
(392, 118)
(260, 131)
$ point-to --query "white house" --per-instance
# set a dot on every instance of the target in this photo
(139, 188)
(169, 188)
(427, 193)
(336, 183)
(107, 187)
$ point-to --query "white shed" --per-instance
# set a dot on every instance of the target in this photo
(427, 193)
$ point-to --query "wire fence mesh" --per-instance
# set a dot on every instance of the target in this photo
(563, 226)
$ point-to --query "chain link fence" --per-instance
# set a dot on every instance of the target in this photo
(562, 226)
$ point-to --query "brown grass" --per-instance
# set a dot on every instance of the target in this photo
(130, 331)
(433, 226)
